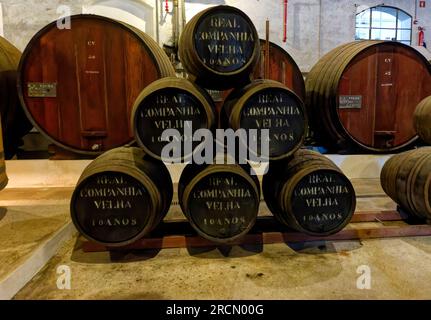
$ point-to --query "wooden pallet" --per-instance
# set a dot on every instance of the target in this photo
(179, 234)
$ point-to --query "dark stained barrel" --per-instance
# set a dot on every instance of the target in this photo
(422, 120)
(78, 86)
(121, 197)
(171, 103)
(309, 193)
(267, 104)
(282, 68)
(219, 48)
(406, 178)
(14, 121)
(362, 96)
(221, 201)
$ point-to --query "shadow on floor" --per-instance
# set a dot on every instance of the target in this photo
(114, 256)
(3, 212)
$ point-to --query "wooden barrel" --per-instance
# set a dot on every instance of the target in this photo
(168, 104)
(406, 178)
(78, 85)
(422, 120)
(14, 121)
(221, 201)
(267, 104)
(309, 193)
(362, 96)
(220, 48)
(282, 68)
(121, 196)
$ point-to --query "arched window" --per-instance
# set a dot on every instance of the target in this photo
(384, 23)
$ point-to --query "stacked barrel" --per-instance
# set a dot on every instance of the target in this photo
(126, 192)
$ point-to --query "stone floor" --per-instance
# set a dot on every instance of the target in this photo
(400, 267)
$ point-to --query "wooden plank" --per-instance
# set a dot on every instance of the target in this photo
(179, 234)
(181, 241)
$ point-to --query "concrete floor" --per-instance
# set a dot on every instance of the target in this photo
(400, 267)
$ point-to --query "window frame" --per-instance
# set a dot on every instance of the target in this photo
(397, 29)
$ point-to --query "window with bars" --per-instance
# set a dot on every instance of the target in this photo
(384, 23)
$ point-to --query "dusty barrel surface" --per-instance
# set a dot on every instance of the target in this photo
(309, 193)
(14, 121)
(422, 120)
(406, 178)
(267, 104)
(78, 85)
(362, 95)
(282, 68)
(221, 202)
(171, 103)
(121, 197)
(220, 47)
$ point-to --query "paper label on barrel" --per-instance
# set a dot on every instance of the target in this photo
(223, 205)
(224, 42)
(166, 109)
(112, 207)
(276, 110)
(42, 90)
(322, 201)
(350, 102)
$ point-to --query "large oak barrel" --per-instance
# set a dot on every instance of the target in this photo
(221, 201)
(406, 178)
(362, 96)
(121, 196)
(309, 193)
(422, 120)
(78, 85)
(14, 121)
(168, 104)
(282, 68)
(267, 104)
(219, 47)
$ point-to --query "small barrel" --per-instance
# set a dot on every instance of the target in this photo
(14, 121)
(362, 96)
(309, 193)
(78, 85)
(267, 104)
(121, 197)
(220, 48)
(221, 201)
(171, 103)
(422, 120)
(282, 68)
(406, 178)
